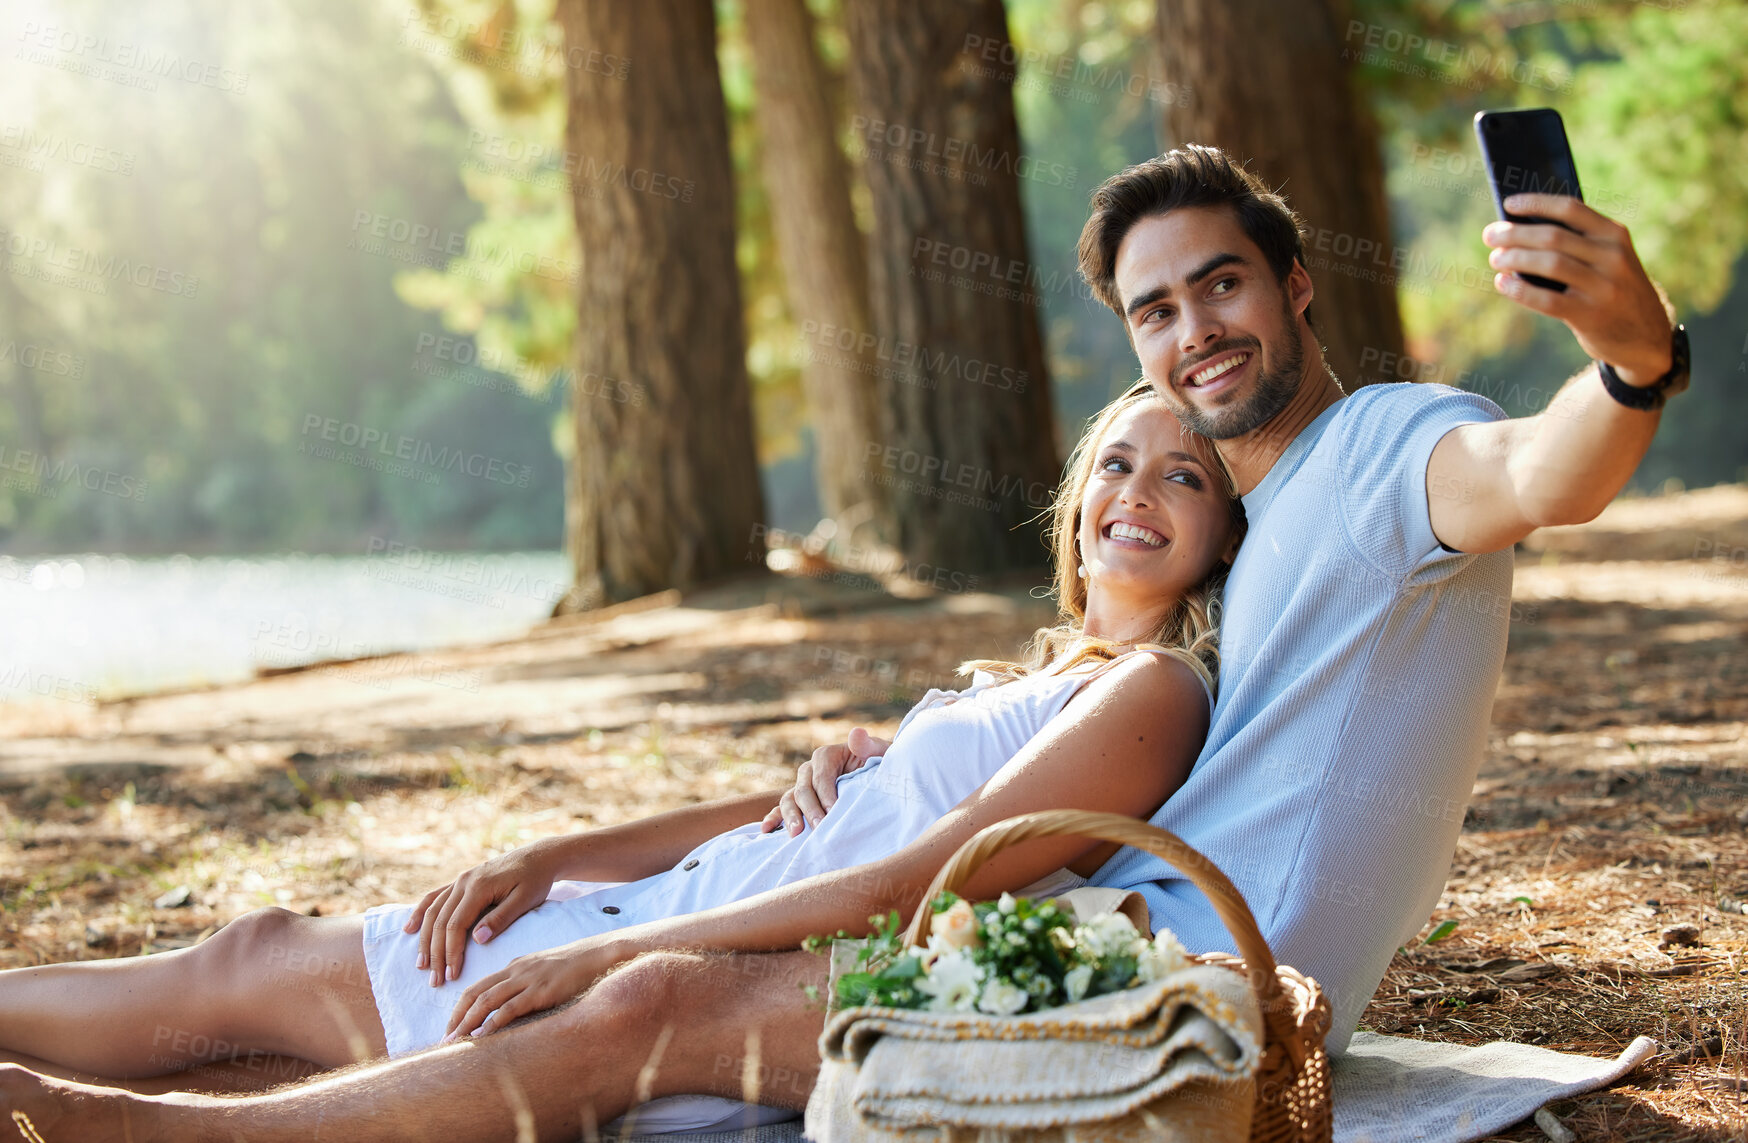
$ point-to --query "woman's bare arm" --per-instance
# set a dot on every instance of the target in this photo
(656, 844)
(491, 896)
(1123, 746)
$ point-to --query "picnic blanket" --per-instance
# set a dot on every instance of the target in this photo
(1391, 1088)
(1394, 1088)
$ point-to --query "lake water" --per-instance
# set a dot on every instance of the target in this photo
(75, 628)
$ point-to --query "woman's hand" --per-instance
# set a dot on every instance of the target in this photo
(507, 886)
(531, 983)
(816, 781)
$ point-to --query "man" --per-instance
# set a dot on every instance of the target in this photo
(1366, 625)
(1366, 614)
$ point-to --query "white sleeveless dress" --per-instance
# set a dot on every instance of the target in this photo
(950, 743)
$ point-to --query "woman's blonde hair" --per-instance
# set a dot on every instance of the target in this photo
(1190, 631)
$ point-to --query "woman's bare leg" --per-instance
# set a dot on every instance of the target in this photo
(271, 982)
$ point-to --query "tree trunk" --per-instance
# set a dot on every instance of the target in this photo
(664, 486)
(825, 269)
(970, 457)
(1267, 81)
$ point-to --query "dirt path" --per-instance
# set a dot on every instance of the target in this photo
(1612, 806)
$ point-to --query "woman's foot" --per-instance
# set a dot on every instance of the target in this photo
(44, 1110)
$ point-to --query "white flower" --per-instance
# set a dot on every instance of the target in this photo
(939, 947)
(1109, 934)
(956, 927)
(924, 956)
(1162, 958)
(1076, 980)
(1006, 904)
(1001, 998)
(952, 983)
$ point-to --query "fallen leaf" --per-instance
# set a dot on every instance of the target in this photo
(1527, 972)
(1496, 964)
(177, 898)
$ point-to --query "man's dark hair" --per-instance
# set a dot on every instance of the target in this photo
(1192, 175)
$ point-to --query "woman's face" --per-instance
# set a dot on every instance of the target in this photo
(1154, 521)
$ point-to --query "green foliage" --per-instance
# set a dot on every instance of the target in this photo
(512, 98)
(504, 67)
(1655, 103)
(889, 972)
(1015, 955)
(1666, 126)
(1656, 107)
(252, 198)
(450, 117)
(1087, 100)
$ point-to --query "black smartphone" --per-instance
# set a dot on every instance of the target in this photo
(1526, 152)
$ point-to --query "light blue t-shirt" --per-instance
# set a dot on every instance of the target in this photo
(1359, 660)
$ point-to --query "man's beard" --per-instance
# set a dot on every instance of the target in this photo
(1274, 389)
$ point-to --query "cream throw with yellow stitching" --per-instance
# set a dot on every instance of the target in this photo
(1174, 1059)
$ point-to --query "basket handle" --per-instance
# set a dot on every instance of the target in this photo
(1228, 902)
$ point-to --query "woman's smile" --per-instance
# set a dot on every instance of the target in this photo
(1129, 533)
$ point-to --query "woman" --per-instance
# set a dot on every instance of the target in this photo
(1107, 713)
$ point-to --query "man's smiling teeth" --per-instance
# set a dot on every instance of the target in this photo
(1203, 376)
(1120, 531)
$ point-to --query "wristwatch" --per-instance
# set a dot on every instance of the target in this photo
(1652, 396)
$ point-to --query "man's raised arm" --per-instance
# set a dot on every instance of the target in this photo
(1490, 485)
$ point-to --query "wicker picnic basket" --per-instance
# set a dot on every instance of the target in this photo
(1292, 1082)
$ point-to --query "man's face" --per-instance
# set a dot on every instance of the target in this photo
(1215, 331)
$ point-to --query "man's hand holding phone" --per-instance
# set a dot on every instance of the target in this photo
(1610, 303)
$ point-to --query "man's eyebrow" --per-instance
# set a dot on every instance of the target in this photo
(1211, 265)
(1160, 293)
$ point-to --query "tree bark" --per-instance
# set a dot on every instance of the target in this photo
(663, 486)
(825, 268)
(1268, 82)
(970, 457)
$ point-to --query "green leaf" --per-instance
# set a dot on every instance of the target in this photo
(904, 968)
(1444, 930)
(942, 903)
(853, 988)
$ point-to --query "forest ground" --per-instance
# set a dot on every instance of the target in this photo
(1609, 813)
